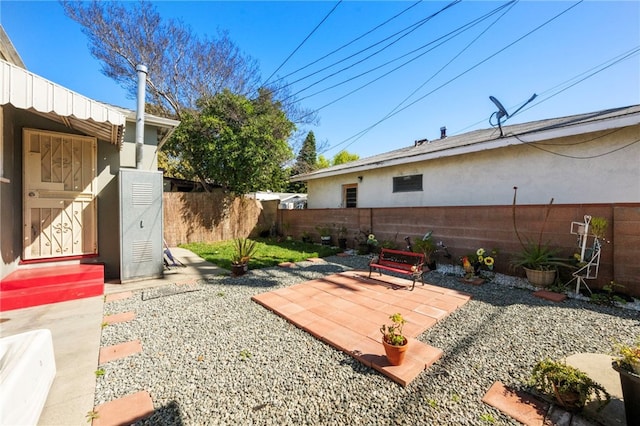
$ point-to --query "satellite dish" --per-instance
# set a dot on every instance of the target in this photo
(502, 111)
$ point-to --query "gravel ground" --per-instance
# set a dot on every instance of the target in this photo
(212, 356)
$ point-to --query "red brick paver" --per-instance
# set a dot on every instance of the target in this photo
(121, 317)
(523, 407)
(346, 311)
(124, 411)
(118, 296)
(550, 295)
(110, 353)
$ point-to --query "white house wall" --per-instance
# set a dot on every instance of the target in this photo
(149, 148)
(600, 167)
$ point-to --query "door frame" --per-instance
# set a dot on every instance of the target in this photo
(78, 204)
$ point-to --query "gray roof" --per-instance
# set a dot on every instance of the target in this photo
(479, 140)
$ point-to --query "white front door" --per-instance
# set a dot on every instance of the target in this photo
(59, 194)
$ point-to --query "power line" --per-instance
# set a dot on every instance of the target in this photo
(575, 157)
(303, 41)
(412, 27)
(590, 73)
(460, 75)
(626, 56)
(351, 42)
(510, 4)
(449, 36)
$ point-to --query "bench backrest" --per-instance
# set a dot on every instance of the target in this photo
(400, 259)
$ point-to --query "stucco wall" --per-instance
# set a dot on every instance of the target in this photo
(593, 168)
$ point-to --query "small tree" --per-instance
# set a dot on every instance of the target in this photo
(305, 162)
(235, 142)
(343, 157)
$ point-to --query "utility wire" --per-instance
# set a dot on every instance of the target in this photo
(591, 72)
(349, 43)
(406, 31)
(303, 42)
(628, 55)
(450, 36)
(575, 157)
(459, 75)
(510, 6)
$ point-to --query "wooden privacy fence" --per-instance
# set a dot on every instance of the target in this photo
(209, 217)
(465, 229)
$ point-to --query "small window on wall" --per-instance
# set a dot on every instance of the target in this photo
(350, 195)
(407, 183)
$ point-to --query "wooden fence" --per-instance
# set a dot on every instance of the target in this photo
(208, 217)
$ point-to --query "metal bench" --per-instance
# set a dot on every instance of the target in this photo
(401, 262)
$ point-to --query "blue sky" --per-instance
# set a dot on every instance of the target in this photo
(447, 86)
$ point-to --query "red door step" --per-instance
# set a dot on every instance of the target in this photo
(40, 286)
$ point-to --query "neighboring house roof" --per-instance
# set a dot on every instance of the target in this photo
(486, 139)
(280, 196)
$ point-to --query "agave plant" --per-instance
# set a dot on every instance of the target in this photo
(245, 249)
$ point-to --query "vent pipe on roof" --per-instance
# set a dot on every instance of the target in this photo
(142, 84)
(443, 132)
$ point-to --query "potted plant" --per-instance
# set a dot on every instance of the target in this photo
(244, 250)
(342, 237)
(598, 227)
(474, 263)
(539, 260)
(325, 234)
(305, 237)
(627, 364)
(566, 385)
(427, 247)
(394, 342)
(540, 263)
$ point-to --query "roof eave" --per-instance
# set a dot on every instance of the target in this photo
(28, 91)
(532, 136)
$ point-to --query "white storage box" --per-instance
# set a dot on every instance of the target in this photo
(27, 370)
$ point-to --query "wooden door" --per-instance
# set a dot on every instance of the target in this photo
(59, 195)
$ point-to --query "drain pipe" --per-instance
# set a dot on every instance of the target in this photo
(142, 84)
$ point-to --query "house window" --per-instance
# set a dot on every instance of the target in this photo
(407, 183)
(350, 195)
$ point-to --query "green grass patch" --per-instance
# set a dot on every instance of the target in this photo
(270, 252)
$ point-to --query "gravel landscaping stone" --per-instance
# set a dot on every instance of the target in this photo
(212, 356)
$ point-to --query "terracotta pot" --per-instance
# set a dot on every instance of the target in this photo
(540, 278)
(395, 354)
(237, 270)
(630, 383)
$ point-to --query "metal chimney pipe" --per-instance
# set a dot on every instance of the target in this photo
(142, 85)
(443, 132)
